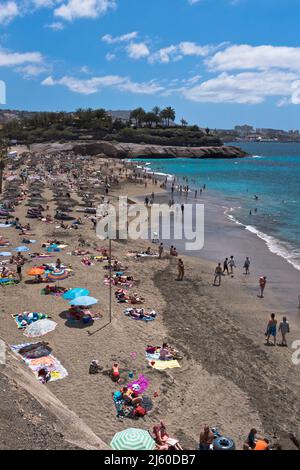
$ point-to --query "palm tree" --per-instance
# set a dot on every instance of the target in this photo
(184, 123)
(168, 114)
(156, 112)
(138, 115)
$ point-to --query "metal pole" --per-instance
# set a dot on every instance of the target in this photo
(110, 279)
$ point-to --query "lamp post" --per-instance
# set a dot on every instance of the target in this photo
(110, 279)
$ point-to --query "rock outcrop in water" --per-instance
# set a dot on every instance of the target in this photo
(122, 150)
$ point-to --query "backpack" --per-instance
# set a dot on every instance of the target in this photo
(139, 411)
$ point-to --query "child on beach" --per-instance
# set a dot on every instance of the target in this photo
(262, 285)
(284, 328)
(247, 266)
(180, 268)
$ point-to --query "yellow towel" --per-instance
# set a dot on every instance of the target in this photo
(162, 365)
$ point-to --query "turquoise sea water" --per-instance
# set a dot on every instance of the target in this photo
(272, 173)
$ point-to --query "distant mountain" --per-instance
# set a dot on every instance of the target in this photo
(119, 114)
(7, 115)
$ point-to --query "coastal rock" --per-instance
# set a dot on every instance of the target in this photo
(124, 150)
(127, 150)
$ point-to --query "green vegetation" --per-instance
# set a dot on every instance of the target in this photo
(155, 127)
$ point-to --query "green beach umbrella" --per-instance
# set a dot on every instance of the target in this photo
(132, 439)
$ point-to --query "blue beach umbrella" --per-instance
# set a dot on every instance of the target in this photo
(84, 301)
(21, 249)
(74, 293)
(5, 253)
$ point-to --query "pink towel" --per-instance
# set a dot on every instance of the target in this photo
(142, 381)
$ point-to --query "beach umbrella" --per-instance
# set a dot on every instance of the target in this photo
(40, 328)
(21, 249)
(58, 275)
(5, 253)
(36, 271)
(84, 301)
(132, 439)
(74, 293)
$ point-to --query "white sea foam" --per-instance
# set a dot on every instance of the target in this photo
(285, 250)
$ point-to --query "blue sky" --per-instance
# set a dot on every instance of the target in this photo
(217, 62)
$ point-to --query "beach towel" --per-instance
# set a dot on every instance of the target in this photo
(50, 363)
(7, 281)
(26, 318)
(140, 385)
(162, 365)
(130, 312)
(5, 225)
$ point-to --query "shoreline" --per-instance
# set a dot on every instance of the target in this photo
(223, 237)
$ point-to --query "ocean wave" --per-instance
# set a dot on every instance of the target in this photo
(285, 250)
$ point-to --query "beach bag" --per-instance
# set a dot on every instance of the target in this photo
(139, 411)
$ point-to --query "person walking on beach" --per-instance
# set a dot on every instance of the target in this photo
(232, 264)
(19, 268)
(284, 328)
(180, 268)
(225, 266)
(247, 266)
(160, 250)
(262, 285)
(182, 208)
(272, 329)
(218, 274)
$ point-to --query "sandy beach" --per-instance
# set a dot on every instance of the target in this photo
(228, 377)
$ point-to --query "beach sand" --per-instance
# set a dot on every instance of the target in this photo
(228, 378)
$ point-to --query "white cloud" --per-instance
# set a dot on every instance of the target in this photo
(32, 70)
(56, 26)
(177, 52)
(109, 57)
(10, 59)
(245, 88)
(8, 11)
(117, 39)
(246, 57)
(73, 9)
(138, 50)
(96, 84)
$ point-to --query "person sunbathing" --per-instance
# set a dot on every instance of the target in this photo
(163, 440)
(135, 299)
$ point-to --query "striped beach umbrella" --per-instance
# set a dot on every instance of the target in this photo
(132, 439)
(58, 275)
